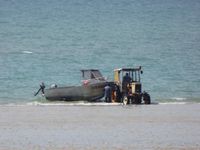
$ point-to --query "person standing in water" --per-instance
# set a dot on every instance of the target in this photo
(107, 93)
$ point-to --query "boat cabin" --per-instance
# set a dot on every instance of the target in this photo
(91, 74)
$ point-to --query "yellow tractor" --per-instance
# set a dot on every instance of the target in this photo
(128, 88)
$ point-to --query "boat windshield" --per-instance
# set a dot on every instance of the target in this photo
(91, 74)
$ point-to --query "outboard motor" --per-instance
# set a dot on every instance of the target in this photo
(42, 87)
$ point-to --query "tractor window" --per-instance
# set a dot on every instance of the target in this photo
(127, 78)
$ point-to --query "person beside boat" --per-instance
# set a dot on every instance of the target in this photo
(118, 93)
(107, 93)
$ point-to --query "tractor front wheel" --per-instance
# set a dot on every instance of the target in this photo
(125, 100)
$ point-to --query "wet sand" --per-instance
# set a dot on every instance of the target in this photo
(100, 127)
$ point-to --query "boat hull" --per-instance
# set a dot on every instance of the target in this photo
(92, 92)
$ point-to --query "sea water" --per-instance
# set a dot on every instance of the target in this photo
(50, 41)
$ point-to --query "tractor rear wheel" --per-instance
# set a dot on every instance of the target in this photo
(146, 98)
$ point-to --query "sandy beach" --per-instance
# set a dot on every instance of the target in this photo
(169, 126)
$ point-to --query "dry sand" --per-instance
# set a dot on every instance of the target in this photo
(100, 127)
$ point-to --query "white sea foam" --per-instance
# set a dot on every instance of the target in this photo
(179, 98)
(71, 104)
(36, 103)
(27, 52)
(173, 103)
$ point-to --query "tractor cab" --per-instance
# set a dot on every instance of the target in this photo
(129, 84)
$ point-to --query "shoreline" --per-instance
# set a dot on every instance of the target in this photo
(39, 101)
(85, 103)
(100, 127)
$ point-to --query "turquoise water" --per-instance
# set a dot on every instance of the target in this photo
(52, 40)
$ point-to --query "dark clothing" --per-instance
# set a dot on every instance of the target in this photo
(107, 93)
(108, 99)
(118, 93)
(126, 81)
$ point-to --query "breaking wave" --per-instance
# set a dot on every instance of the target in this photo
(173, 103)
(179, 98)
(27, 52)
